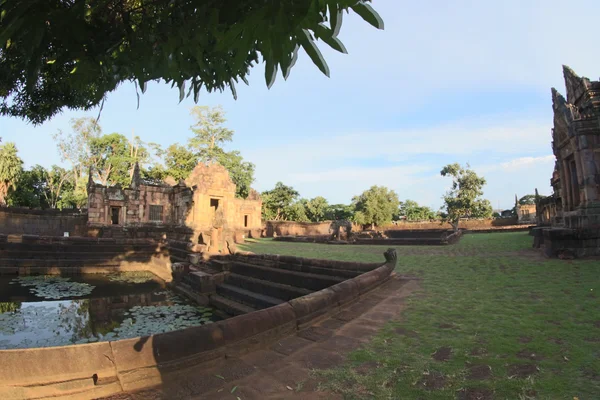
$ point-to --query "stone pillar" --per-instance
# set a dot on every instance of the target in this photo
(566, 185)
(589, 172)
(575, 171)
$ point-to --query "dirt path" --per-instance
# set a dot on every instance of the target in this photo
(283, 370)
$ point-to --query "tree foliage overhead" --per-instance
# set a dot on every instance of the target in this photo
(375, 206)
(57, 54)
(464, 200)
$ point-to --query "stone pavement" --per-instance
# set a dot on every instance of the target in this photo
(283, 371)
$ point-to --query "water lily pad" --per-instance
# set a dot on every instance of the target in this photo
(54, 287)
(132, 277)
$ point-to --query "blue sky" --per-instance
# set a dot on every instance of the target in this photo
(466, 82)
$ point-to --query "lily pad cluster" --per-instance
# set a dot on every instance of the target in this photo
(132, 277)
(68, 322)
(53, 287)
(148, 320)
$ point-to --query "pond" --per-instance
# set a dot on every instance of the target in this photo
(45, 311)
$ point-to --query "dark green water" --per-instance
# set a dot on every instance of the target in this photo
(44, 311)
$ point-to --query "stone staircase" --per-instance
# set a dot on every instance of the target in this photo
(244, 287)
(37, 255)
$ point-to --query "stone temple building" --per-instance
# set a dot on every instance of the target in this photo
(569, 219)
(205, 203)
(525, 213)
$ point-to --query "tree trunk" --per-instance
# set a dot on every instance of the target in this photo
(455, 225)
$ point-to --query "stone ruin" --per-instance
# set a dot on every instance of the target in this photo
(341, 230)
(205, 203)
(569, 219)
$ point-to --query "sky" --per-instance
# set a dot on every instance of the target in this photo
(444, 82)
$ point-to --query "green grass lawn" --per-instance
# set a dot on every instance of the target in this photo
(502, 321)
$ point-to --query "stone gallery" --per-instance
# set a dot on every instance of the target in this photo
(204, 202)
(572, 213)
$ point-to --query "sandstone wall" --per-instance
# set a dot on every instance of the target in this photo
(291, 228)
(42, 222)
(474, 224)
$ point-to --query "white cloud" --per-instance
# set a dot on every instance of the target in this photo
(505, 150)
(525, 162)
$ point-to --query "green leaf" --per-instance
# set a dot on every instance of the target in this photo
(336, 15)
(232, 87)
(50, 62)
(181, 91)
(313, 51)
(325, 34)
(143, 85)
(220, 377)
(2, 14)
(368, 14)
(270, 72)
(287, 65)
(197, 87)
(73, 70)
(234, 389)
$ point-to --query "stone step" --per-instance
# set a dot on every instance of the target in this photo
(321, 271)
(255, 300)
(74, 256)
(60, 248)
(21, 262)
(402, 242)
(220, 265)
(277, 290)
(286, 277)
(229, 306)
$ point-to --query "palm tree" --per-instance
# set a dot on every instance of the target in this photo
(11, 167)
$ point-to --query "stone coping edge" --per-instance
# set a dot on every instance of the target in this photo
(104, 368)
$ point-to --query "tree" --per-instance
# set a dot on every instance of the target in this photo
(209, 137)
(295, 212)
(11, 167)
(375, 206)
(414, 212)
(75, 149)
(463, 199)
(527, 199)
(56, 180)
(179, 161)
(29, 191)
(209, 134)
(113, 159)
(339, 212)
(276, 201)
(59, 54)
(315, 208)
(240, 171)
